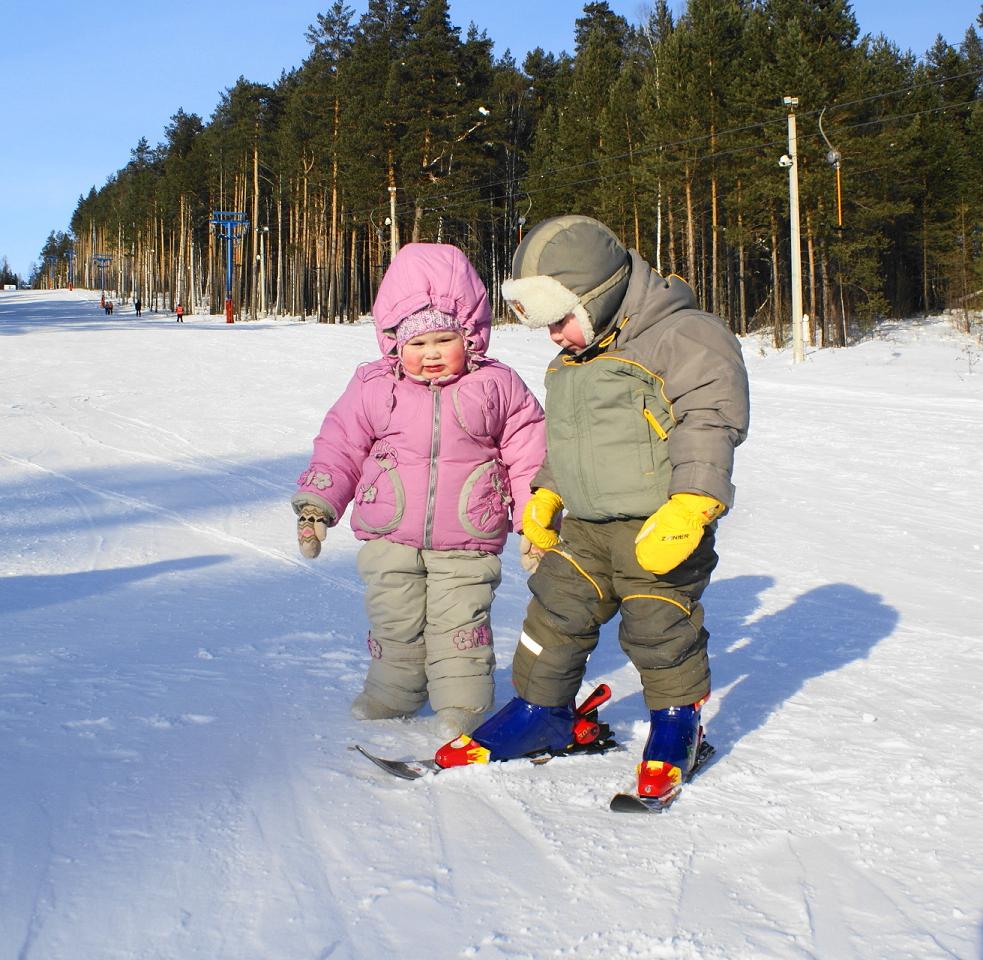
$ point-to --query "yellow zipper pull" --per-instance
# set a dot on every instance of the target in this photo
(655, 425)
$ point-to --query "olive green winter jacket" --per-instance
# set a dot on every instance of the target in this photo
(654, 406)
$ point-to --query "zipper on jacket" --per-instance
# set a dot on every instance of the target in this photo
(434, 452)
(654, 424)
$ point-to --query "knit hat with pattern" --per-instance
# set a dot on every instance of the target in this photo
(423, 321)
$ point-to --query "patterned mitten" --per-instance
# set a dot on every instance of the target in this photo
(314, 516)
(529, 556)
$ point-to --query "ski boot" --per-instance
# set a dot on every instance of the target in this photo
(523, 729)
(670, 751)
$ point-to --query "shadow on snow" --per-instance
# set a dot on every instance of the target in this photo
(33, 592)
(112, 496)
(762, 662)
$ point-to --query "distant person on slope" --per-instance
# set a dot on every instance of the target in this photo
(179, 310)
(435, 445)
(645, 404)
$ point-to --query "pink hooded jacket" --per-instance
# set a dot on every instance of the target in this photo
(432, 465)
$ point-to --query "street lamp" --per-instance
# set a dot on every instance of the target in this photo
(834, 158)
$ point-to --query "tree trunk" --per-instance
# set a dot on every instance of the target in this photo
(776, 283)
(811, 248)
(673, 268)
(658, 229)
(691, 265)
(714, 243)
(333, 275)
(280, 267)
(254, 259)
(925, 262)
(741, 275)
(828, 304)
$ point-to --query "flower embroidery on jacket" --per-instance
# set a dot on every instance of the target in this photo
(366, 494)
(315, 478)
(480, 636)
(375, 648)
(493, 502)
(498, 484)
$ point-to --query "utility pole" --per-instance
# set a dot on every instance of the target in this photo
(791, 160)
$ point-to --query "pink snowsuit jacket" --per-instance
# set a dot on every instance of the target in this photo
(432, 465)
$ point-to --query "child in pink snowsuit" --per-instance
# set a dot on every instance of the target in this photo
(434, 445)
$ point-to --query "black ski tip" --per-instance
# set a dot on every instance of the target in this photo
(404, 769)
(632, 803)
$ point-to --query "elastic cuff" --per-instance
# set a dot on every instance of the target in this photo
(299, 500)
(702, 478)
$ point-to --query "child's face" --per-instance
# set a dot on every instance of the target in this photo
(566, 333)
(434, 355)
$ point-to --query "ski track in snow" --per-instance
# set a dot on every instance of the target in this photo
(175, 778)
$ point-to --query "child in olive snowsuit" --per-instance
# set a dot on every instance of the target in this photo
(645, 404)
(434, 445)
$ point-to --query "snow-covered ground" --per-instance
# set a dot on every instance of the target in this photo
(175, 773)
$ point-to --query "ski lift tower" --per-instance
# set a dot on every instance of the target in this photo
(102, 260)
(51, 261)
(231, 226)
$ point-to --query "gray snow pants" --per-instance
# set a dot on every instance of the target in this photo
(430, 617)
(582, 583)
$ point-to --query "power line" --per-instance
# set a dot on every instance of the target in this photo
(424, 202)
(716, 155)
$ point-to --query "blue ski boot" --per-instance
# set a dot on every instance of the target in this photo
(522, 729)
(670, 751)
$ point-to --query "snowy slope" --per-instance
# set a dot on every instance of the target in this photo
(175, 778)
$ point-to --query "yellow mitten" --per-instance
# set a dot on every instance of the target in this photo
(541, 510)
(673, 532)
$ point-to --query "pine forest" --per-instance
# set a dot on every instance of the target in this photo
(674, 131)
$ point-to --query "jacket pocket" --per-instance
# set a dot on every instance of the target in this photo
(380, 499)
(483, 505)
(652, 450)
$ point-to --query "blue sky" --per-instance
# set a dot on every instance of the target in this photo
(82, 82)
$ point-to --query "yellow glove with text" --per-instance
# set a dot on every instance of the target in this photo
(673, 532)
(541, 511)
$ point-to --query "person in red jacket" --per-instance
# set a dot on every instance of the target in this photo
(179, 310)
